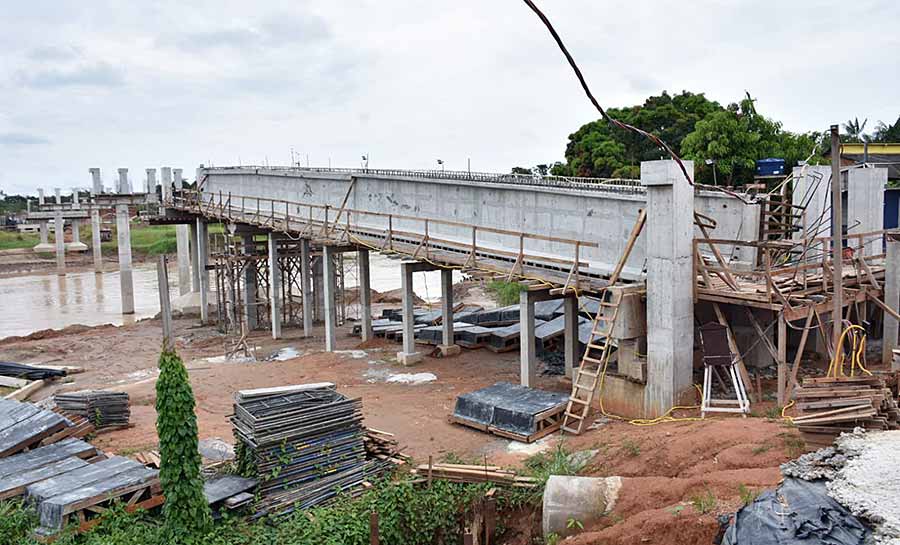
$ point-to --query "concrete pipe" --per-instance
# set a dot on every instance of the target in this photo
(584, 499)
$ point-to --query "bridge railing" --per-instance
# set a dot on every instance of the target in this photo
(403, 234)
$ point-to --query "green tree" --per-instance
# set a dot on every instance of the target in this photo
(887, 133)
(600, 150)
(186, 512)
(735, 138)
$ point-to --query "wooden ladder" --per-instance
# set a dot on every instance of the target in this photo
(593, 362)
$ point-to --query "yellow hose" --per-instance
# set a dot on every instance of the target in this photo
(857, 353)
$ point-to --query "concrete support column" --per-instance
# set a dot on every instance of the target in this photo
(44, 245)
(318, 277)
(150, 182)
(670, 308)
(75, 203)
(57, 192)
(448, 345)
(183, 245)
(195, 260)
(202, 261)
(178, 178)
(274, 286)
(365, 295)
(330, 292)
(76, 245)
(40, 196)
(126, 278)
(60, 235)
(250, 286)
(528, 362)
(570, 334)
(124, 186)
(96, 242)
(165, 179)
(408, 356)
(306, 287)
(891, 299)
(96, 182)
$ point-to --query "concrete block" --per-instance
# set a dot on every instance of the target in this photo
(409, 359)
(448, 350)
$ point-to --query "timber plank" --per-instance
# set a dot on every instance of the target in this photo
(42, 456)
(15, 485)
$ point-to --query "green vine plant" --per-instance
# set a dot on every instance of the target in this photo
(185, 511)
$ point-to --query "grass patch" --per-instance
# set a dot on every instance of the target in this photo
(773, 413)
(795, 446)
(506, 293)
(631, 448)
(544, 464)
(705, 502)
(759, 449)
(13, 240)
(748, 495)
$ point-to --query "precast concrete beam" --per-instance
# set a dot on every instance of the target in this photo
(670, 307)
(306, 287)
(448, 346)
(891, 299)
(329, 255)
(408, 356)
(365, 295)
(126, 275)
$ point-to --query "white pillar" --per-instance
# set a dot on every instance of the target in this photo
(124, 186)
(44, 245)
(570, 334)
(96, 242)
(330, 291)
(274, 286)
(76, 244)
(126, 277)
(183, 245)
(250, 285)
(150, 182)
(41, 196)
(165, 179)
(408, 356)
(365, 295)
(891, 299)
(58, 194)
(306, 287)
(202, 261)
(528, 362)
(178, 178)
(75, 203)
(670, 307)
(60, 234)
(448, 346)
(195, 260)
(96, 182)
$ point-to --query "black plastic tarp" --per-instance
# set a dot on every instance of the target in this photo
(29, 372)
(798, 512)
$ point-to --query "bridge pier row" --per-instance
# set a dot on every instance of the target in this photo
(365, 295)
(183, 247)
(126, 276)
(96, 241)
(306, 287)
(570, 334)
(274, 286)
(330, 317)
(448, 346)
(201, 263)
(59, 232)
(670, 306)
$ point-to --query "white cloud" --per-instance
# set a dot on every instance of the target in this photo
(115, 84)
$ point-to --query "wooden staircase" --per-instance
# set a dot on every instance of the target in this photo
(593, 362)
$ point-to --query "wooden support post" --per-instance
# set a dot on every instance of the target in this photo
(797, 358)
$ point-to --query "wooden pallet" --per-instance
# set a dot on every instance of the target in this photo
(545, 423)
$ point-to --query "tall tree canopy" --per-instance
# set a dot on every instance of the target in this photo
(597, 149)
(887, 133)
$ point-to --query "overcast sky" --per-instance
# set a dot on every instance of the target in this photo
(126, 84)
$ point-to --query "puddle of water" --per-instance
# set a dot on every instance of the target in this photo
(33, 303)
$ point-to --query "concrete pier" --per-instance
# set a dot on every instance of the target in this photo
(183, 246)
(96, 241)
(44, 245)
(57, 192)
(365, 295)
(178, 178)
(202, 261)
(670, 306)
(250, 286)
(448, 346)
(76, 245)
(527, 360)
(891, 299)
(126, 276)
(40, 196)
(150, 182)
(274, 286)
(306, 287)
(195, 260)
(570, 335)
(96, 182)
(59, 232)
(330, 317)
(123, 186)
(408, 356)
(165, 180)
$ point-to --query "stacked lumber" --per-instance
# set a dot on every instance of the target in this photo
(381, 445)
(149, 458)
(462, 473)
(829, 406)
(305, 443)
(104, 408)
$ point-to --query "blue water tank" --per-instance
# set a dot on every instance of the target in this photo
(770, 167)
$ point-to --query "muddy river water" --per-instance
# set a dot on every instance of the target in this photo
(47, 301)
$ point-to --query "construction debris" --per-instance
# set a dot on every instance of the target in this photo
(29, 372)
(829, 406)
(462, 473)
(104, 408)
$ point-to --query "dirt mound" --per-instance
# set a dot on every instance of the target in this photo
(44, 334)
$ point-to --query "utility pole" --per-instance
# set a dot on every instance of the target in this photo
(837, 237)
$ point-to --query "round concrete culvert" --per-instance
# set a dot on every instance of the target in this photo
(582, 499)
